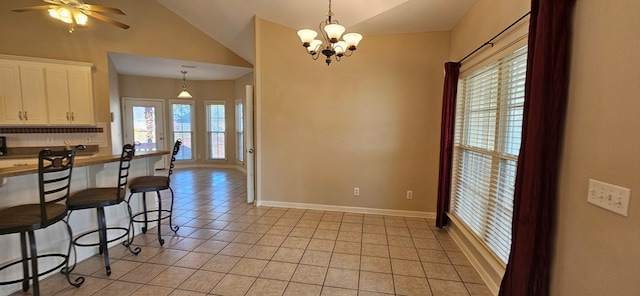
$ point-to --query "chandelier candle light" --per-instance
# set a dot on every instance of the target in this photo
(332, 46)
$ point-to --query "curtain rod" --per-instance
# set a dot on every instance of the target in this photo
(494, 37)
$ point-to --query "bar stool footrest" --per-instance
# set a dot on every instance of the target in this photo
(59, 266)
(95, 231)
(154, 219)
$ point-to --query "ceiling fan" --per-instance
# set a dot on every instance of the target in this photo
(76, 12)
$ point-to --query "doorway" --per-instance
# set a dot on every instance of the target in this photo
(144, 126)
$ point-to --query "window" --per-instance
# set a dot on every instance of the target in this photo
(216, 129)
(487, 142)
(182, 128)
(239, 132)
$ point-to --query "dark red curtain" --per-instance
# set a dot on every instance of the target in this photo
(452, 71)
(535, 196)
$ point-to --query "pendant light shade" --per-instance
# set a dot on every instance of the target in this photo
(184, 94)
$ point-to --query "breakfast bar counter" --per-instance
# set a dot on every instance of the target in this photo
(19, 185)
(17, 168)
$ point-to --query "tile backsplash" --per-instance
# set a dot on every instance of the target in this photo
(54, 136)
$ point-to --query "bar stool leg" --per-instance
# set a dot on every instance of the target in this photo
(144, 207)
(174, 228)
(25, 262)
(68, 269)
(102, 233)
(34, 263)
(160, 239)
(130, 234)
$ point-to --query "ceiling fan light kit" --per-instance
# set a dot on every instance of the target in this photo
(76, 13)
(332, 45)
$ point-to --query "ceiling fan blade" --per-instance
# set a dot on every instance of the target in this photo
(105, 9)
(33, 8)
(108, 20)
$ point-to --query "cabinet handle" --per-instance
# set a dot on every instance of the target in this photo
(20, 115)
(25, 115)
(72, 117)
(67, 115)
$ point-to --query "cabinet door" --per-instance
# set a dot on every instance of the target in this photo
(80, 96)
(10, 94)
(34, 100)
(58, 95)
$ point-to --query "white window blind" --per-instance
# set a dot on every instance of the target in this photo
(216, 128)
(182, 121)
(488, 132)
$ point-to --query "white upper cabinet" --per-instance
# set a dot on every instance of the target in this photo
(45, 92)
(22, 94)
(69, 95)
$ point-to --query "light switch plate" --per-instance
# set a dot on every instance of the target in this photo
(609, 197)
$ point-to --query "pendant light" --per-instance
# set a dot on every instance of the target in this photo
(184, 94)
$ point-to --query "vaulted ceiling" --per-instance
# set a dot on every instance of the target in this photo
(231, 22)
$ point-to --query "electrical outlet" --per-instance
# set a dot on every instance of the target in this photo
(49, 140)
(356, 191)
(409, 194)
(609, 197)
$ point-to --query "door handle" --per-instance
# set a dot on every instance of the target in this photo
(250, 150)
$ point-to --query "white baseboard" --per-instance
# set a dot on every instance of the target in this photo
(489, 267)
(205, 165)
(360, 210)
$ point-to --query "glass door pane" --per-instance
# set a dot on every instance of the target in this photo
(144, 127)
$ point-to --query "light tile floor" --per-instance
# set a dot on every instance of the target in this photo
(228, 247)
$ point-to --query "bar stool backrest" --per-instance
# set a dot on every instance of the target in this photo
(128, 152)
(176, 149)
(54, 176)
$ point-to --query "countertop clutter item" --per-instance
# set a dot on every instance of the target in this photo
(3, 145)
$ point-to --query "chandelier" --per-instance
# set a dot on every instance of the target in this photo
(332, 46)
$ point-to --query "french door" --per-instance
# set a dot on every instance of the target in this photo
(144, 126)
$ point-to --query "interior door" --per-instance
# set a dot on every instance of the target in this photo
(248, 131)
(144, 126)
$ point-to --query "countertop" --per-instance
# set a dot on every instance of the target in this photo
(78, 162)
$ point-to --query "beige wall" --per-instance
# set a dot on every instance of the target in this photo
(485, 19)
(370, 121)
(155, 31)
(595, 251)
(165, 89)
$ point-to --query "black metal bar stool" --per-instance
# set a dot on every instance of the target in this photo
(54, 179)
(150, 184)
(99, 198)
